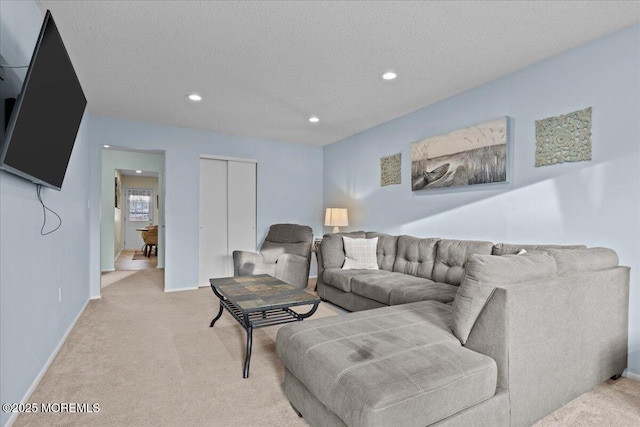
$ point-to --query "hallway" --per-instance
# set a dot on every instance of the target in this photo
(126, 266)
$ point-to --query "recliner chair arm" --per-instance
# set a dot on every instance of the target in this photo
(293, 269)
(244, 257)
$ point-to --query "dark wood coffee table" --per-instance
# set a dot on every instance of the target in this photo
(260, 301)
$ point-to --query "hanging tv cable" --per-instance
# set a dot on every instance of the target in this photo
(44, 213)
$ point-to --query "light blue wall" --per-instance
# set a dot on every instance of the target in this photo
(289, 185)
(33, 267)
(595, 203)
(115, 159)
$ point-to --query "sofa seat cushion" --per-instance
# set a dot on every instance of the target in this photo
(341, 279)
(436, 291)
(378, 288)
(396, 365)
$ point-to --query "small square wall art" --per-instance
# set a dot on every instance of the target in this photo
(390, 170)
(564, 138)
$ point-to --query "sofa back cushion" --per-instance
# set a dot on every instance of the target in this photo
(386, 251)
(484, 272)
(514, 248)
(415, 256)
(584, 260)
(451, 256)
(332, 248)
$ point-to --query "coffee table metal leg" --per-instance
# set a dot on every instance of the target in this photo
(309, 313)
(247, 358)
(217, 316)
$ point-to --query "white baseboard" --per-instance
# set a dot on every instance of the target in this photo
(95, 297)
(44, 369)
(631, 375)
(180, 289)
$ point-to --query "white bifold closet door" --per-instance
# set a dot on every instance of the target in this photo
(227, 214)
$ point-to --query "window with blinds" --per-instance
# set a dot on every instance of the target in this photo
(140, 202)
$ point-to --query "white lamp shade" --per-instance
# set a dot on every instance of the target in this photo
(336, 217)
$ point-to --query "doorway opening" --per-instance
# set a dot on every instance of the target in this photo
(139, 225)
(132, 226)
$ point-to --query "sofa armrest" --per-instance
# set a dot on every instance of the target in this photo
(555, 339)
(293, 269)
(320, 272)
(241, 258)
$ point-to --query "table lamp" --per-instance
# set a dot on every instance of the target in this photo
(336, 217)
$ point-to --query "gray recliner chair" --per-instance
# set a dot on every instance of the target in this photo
(285, 254)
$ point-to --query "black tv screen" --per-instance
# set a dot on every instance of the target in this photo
(43, 121)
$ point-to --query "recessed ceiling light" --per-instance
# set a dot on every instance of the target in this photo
(389, 75)
(138, 171)
(194, 97)
(106, 146)
(314, 119)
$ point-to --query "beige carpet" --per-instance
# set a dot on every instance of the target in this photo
(112, 277)
(613, 403)
(149, 358)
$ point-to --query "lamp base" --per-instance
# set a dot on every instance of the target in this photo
(336, 229)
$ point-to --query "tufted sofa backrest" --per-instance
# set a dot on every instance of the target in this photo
(415, 256)
(429, 258)
(451, 256)
(440, 260)
(386, 250)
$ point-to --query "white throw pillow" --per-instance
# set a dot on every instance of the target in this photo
(360, 253)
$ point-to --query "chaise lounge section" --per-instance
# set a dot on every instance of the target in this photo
(522, 336)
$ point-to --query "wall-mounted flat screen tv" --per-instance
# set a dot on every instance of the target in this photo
(42, 113)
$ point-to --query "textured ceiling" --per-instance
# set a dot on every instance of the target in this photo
(264, 67)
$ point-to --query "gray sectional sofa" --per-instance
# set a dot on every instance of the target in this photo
(410, 269)
(457, 333)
